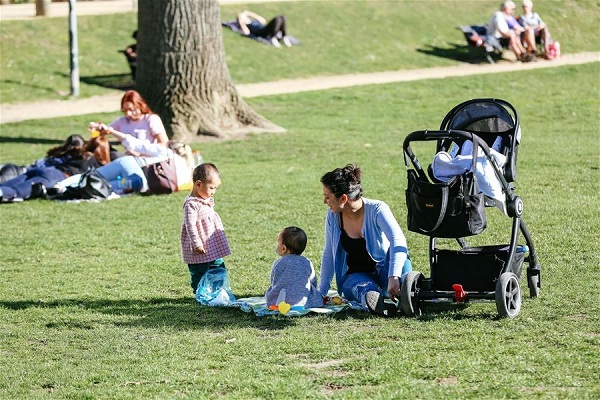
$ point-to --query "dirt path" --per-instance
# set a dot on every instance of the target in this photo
(110, 103)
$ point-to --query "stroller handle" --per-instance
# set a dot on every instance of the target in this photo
(438, 135)
(478, 143)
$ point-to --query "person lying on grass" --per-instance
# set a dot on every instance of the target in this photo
(69, 158)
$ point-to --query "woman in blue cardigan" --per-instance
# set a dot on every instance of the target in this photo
(364, 245)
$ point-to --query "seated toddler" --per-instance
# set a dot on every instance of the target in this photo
(293, 278)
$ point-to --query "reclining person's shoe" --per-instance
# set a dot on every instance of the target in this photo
(53, 191)
(375, 302)
(38, 191)
(275, 42)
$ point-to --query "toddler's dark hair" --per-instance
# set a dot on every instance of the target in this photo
(205, 171)
(344, 181)
(294, 239)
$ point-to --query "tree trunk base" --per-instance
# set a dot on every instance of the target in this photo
(182, 73)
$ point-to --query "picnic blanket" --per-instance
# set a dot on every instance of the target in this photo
(258, 306)
(235, 27)
(214, 290)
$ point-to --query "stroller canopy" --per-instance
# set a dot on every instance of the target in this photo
(480, 117)
(488, 118)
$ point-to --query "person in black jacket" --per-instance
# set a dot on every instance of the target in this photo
(62, 161)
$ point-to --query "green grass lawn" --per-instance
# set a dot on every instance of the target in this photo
(95, 301)
(338, 37)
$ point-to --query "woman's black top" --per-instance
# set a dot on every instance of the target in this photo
(358, 259)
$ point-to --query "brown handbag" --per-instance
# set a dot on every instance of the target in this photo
(161, 177)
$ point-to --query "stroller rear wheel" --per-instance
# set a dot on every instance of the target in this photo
(508, 295)
(409, 301)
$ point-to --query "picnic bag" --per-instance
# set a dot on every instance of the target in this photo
(161, 177)
(214, 288)
(91, 185)
(553, 51)
(450, 209)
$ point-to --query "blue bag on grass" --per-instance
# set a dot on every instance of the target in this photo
(214, 289)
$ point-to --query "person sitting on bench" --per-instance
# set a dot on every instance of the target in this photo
(131, 55)
(499, 29)
(535, 29)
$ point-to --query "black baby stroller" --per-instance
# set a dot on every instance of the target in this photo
(454, 207)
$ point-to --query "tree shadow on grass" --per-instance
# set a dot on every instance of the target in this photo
(115, 81)
(450, 310)
(118, 81)
(431, 312)
(456, 52)
(182, 313)
(28, 84)
(30, 140)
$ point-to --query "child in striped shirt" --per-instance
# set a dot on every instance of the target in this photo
(203, 240)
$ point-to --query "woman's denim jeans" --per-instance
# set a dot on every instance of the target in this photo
(127, 167)
(355, 286)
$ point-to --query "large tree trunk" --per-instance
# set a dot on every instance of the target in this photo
(183, 75)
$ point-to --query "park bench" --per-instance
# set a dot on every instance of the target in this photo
(482, 46)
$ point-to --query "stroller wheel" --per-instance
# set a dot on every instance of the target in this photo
(508, 295)
(409, 294)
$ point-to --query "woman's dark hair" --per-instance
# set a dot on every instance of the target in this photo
(294, 239)
(72, 146)
(344, 181)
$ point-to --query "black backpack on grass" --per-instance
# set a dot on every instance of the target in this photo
(91, 185)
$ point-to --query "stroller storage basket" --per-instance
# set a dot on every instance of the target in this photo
(475, 268)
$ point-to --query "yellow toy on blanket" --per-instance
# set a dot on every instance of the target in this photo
(335, 300)
(281, 304)
(283, 307)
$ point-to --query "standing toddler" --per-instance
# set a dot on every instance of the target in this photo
(203, 240)
(293, 272)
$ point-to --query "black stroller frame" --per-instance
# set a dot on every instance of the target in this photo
(489, 272)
